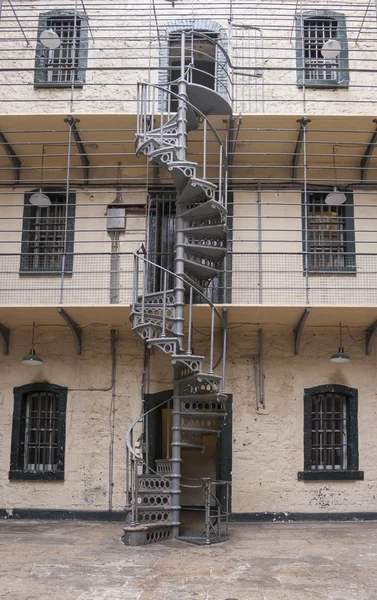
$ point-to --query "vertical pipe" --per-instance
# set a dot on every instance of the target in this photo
(138, 109)
(261, 378)
(179, 299)
(70, 122)
(225, 341)
(168, 431)
(220, 173)
(164, 307)
(306, 216)
(189, 336)
(227, 509)
(260, 259)
(143, 292)
(205, 149)
(146, 437)
(211, 350)
(207, 510)
(127, 477)
(135, 290)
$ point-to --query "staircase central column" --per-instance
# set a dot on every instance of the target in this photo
(179, 292)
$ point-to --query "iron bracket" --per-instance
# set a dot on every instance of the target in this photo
(5, 337)
(80, 147)
(370, 333)
(364, 163)
(76, 330)
(13, 158)
(296, 155)
(298, 330)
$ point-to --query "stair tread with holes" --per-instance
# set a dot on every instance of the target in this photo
(191, 446)
(203, 250)
(199, 270)
(191, 282)
(149, 525)
(200, 377)
(195, 187)
(208, 101)
(149, 317)
(210, 397)
(156, 154)
(202, 430)
(191, 357)
(191, 118)
(209, 208)
(203, 414)
(217, 230)
(151, 295)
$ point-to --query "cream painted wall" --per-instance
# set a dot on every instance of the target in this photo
(90, 281)
(126, 58)
(267, 444)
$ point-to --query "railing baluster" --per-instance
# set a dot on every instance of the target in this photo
(220, 173)
(211, 350)
(205, 149)
(164, 307)
(207, 511)
(189, 336)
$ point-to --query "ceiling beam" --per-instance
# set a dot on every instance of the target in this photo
(298, 330)
(364, 163)
(76, 330)
(13, 158)
(5, 337)
(80, 147)
(296, 155)
(370, 332)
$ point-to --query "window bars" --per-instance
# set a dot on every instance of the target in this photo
(63, 62)
(316, 33)
(40, 445)
(329, 432)
(327, 234)
(47, 237)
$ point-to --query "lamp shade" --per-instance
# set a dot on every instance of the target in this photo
(335, 198)
(340, 356)
(331, 49)
(32, 359)
(50, 39)
(39, 199)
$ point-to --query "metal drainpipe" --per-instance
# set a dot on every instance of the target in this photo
(179, 293)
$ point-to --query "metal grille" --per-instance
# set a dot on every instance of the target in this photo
(329, 431)
(316, 33)
(47, 236)
(247, 45)
(40, 446)
(63, 62)
(327, 234)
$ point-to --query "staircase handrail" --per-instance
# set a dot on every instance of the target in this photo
(199, 112)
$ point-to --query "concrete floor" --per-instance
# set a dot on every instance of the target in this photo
(67, 560)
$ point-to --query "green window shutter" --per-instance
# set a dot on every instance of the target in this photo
(27, 232)
(353, 451)
(350, 232)
(41, 53)
(342, 80)
(70, 233)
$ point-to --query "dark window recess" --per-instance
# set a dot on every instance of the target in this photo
(330, 433)
(328, 235)
(200, 53)
(311, 34)
(48, 235)
(65, 65)
(38, 436)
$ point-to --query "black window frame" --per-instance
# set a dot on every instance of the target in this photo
(28, 231)
(342, 71)
(349, 256)
(42, 53)
(18, 431)
(351, 473)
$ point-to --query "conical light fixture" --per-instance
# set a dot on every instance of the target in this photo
(331, 49)
(39, 198)
(50, 39)
(32, 358)
(336, 197)
(340, 356)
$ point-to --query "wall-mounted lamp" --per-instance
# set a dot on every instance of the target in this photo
(32, 358)
(39, 198)
(331, 49)
(50, 39)
(336, 197)
(340, 356)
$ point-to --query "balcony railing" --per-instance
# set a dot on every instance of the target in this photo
(269, 278)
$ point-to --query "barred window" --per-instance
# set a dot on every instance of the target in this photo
(330, 433)
(65, 65)
(38, 437)
(329, 233)
(48, 235)
(312, 31)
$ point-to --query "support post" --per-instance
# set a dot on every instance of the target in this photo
(298, 330)
(5, 336)
(80, 147)
(13, 158)
(296, 155)
(370, 333)
(76, 330)
(364, 163)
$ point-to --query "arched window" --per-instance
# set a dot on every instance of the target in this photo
(38, 432)
(330, 433)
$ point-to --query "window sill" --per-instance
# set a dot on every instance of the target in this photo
(57, 85)
(36, 475)
(330, 475)
(323, 85)
(350, 271)
(44, 274)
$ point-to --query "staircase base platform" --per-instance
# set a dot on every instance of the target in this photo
(201, 540)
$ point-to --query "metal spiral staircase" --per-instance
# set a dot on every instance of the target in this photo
(199, 401)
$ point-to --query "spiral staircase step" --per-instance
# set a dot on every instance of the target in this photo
(204, 209)
(199, 270)
(191, 118)
(208, 101)
(202, 250)
(196, 188)
(218, 230)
